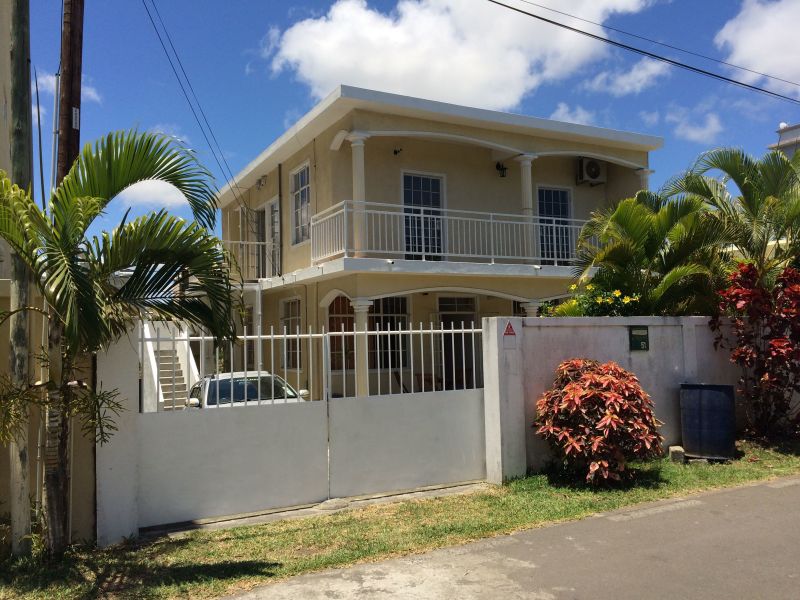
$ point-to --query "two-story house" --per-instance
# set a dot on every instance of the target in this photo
(381, 211)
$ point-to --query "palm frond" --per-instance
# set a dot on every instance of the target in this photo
(124, 158)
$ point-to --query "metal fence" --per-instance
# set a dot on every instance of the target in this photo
(182, 369)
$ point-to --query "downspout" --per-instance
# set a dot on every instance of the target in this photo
(280, 219)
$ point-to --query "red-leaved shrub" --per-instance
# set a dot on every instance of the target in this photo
(765, 322)
(597, 418)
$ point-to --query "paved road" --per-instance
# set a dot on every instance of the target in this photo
(742, 543)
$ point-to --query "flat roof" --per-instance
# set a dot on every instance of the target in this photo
(344, 99)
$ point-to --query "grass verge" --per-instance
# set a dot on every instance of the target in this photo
(211, 563)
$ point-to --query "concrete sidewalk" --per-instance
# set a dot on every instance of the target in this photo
(740, 543)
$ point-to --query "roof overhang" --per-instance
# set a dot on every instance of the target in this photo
(346, 99)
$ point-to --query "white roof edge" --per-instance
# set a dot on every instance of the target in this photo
(638, 140)
(351, 97)
(787, 128)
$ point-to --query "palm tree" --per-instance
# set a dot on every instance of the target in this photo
(664, 250)
(762, 213)
(90, 303)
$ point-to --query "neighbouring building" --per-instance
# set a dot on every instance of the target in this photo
(382, 211)
(788, 139)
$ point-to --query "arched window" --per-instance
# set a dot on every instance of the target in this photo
(385, 350)
(341, 318)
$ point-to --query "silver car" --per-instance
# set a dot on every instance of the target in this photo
(241, 387)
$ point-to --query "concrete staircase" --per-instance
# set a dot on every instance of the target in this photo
(174, 389)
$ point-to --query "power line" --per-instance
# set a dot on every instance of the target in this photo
(663, 44)
(189, 101)
(654, 56)
(191, 89)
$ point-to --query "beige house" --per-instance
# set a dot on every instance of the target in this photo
(381, 211)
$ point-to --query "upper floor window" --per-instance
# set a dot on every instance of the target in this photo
(301, 197)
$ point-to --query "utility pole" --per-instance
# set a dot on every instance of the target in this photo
(57, 425)
(69, 113)
(22, 175)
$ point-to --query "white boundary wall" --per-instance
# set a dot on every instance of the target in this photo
(406, 441)
(170, 467)
(519, 368)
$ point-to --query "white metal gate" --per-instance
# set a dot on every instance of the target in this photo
(205, 437)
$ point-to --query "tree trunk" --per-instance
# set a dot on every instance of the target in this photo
(57, 458)
(21, 174)
(57, 463)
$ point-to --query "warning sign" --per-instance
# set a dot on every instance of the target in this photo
(509, 337)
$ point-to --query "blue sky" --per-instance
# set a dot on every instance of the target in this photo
(258, 65)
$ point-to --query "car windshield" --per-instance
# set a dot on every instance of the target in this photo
(250, 389)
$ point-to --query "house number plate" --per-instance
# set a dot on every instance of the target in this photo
(639, 338)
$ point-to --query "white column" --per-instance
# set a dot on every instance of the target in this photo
(361, 308)
(644, 178)
(357, 140)
(526, 180)
(532, 308)
(526, 172)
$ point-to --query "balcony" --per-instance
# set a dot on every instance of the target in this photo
(392, 231)
(255, 260)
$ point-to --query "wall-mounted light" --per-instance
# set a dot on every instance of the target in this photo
(262, 181)
(397, 151)
(501, 168)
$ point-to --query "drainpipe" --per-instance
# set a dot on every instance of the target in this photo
(279, 266)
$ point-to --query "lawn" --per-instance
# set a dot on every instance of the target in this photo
(211, 563)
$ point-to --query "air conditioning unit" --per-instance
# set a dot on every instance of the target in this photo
(591, 171)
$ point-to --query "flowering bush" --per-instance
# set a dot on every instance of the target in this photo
(592, 301)
(597, 417)
(766, 326)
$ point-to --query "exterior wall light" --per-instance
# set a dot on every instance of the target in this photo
(501, 168)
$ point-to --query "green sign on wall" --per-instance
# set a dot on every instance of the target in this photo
(638, 338)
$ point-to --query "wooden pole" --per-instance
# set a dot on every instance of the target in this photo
(22, 175)
(69, 113)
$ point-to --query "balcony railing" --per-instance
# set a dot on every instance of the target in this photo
(369, 229)
(255, 260)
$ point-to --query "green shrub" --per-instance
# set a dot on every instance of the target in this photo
(592, 300)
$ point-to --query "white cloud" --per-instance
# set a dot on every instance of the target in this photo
(47, 85)
(642, 75)
(763, 37)
(577, 115)
(650, 118)
(702, 130)
(472, 53)
(90, 93)
(172, 130)
(156, 194)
